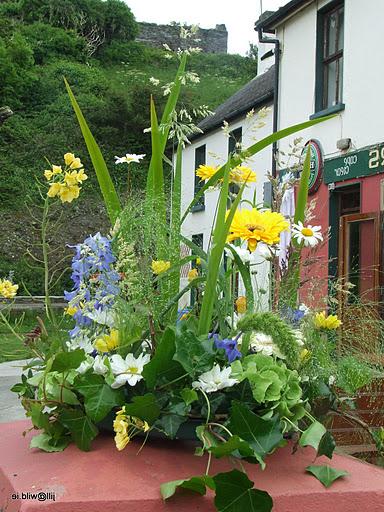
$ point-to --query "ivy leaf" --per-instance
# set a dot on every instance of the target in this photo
(235, 493)
(47, 443)
(162, 366)
(237, 448)
(325, 474)
(313, 435)
(327, 445)
(192, 353)
(170, 424)
(262, 435)
(197, 484)
(65, 361)
(144, 407)
(99, 397)
(82, 429)
(189, 395)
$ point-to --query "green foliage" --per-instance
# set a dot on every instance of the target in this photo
(195, 356)
(82, 429)
(353, 374)
(313, 435)
(325, 474)
(235, 493)
(100, 398)
(197, 484)
(281, 333)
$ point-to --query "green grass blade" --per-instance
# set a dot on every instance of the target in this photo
(220, 234)
(252, 150)
(302, 195)
(107, 188)
(246, 277)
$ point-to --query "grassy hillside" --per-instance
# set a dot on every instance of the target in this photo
(40, 42)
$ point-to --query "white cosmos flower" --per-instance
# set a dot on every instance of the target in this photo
(127, 370)
(261, 342)
(99, 367)
(215, 379)
(128, 159)
(267, 252)
(310, 235)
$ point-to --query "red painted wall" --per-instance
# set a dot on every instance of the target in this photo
(315, 274)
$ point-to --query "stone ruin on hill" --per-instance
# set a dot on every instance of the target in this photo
(212, 40)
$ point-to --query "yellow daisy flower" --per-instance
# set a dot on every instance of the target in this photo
(160, 266)
(205, 172)
(255, 226)
(330, 322)
(241, 174)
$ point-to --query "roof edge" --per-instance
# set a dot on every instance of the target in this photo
(288, 10)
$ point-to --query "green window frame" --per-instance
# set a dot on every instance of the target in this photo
(329, 59)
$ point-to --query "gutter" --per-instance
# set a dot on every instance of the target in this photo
(276, 42)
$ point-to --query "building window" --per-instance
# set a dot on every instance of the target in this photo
(234, 144)
(330, 52)
(200, 159)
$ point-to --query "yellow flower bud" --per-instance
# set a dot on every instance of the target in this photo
(192, 274)
(160, 266)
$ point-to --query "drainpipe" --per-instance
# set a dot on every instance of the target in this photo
(276, 42)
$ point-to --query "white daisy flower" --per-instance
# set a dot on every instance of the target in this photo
(310, 235)
(85, 366)
(267, 252)
(215, 379)
(128, 159)
(244, 254)
(261, 342)
(127, 370)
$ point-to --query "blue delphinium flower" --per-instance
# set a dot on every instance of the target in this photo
(95, 281)
(230, 347)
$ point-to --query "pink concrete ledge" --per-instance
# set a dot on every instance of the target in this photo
(105, 480)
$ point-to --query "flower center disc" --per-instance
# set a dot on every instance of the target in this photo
(307, 232)
(255, 227)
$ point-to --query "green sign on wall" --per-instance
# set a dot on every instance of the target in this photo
(365, 162)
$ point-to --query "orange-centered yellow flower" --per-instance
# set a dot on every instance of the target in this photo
(255, 226)
(329, 322)
(241, 304)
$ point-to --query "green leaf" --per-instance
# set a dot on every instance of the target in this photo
(39, 419)
(220, 233)
(238, 448)
(327, 445)
(144, 407)
(82, 429)
(107, 188)
(235, 493)
(325, 474)
(162, 367)
(189, 395)
(194, 356)
(262, 435)
(170, 424)
(47, 443)
(100, 398)
(65, 361)
(313, 435)
(246, 277)
(197, 484)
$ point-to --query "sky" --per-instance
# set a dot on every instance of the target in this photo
(239, 16)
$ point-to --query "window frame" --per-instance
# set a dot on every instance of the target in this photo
(198, 184)
(323, 60)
